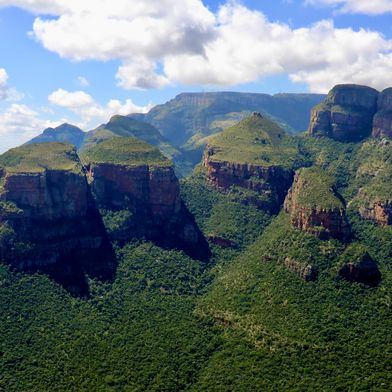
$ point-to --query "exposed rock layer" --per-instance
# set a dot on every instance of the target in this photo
(271, 182)
(151, 194)
(346, 115)
(323, 220)
(382, 121)
(55, 223)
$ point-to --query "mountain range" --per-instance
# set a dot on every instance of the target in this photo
(267, 268)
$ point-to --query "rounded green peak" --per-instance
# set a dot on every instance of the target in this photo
(41, 157)
(127, 151)
(256, 140)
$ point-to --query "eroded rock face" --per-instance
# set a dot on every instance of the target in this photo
(55, 223)
(153, 190)
(346, 115)
(152, 196)
(323, 219)
(382, 122)
(361, 270)
(272, 182)
(380, 212)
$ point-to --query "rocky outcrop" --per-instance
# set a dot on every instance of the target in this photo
(358, 266)
(314, 206)
(346, 115)
(51, 213)
(146, 191)
(382, 121)
(379, 212)
(306, 271)
(270, 183)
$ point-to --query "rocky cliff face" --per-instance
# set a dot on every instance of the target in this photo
(346, 115)
(270, 183)
(314, 207)
(254, 156)
(382, 122)
(143, 191)
(46, 202)
(379, 211)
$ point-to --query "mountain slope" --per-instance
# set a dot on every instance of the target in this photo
(125, 126)
(65, 133)
(189, 114)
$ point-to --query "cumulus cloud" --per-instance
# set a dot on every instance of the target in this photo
(18, 124)
(167, 42)
(91, 112)
(6, 92)
(367, 7)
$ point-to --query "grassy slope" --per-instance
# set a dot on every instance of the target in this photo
(127, 127)
(126, 151)
(317, 190)
(39, 157)
(254, 140)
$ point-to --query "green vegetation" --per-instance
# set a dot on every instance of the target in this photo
(125, 151)
(317, 190)
(241, 321)
(122, 126)
(255, 140)
(41, 157)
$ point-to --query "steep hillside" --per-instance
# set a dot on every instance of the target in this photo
(138, 193)
(255, 156)
(47, 216)
(314, 205)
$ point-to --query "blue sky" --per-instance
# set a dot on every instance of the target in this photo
(64, 62)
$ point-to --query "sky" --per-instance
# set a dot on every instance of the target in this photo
(81, 61)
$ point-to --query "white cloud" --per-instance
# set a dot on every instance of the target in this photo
(170, 41)
(91, 112)
(3, 84)
(18, 124)
(69, 100)
(6, 92)
(367, 7)
(83, 82)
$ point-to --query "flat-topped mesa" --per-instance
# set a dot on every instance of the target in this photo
(255, 155)
(382, 121)
(134, 183)
(346, 115)
(46, 204)
(314, 206)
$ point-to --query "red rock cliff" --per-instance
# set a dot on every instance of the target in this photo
(324, 218)
(271, 183)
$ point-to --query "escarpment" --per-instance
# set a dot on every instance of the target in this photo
(135, 188)
(346, 115)
(314, 207)
(47, 215)
(256, 157)
(382, 121)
